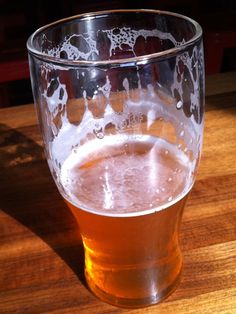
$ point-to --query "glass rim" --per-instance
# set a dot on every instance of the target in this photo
(143, 59)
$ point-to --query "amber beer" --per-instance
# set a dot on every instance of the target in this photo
(128, 196)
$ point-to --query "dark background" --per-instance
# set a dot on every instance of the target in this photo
(18, 19)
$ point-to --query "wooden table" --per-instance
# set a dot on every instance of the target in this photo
(41, 256)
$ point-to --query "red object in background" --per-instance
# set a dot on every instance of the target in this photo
(215, 45)
(20, 18)
(13, 53)
(14, 70)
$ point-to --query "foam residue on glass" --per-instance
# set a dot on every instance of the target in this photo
(117, 37)
(148, 106)
(127, 36)
(72, 52)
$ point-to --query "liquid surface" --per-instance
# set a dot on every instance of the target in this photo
(116, 177)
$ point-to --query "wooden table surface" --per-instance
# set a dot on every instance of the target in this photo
(41, 255)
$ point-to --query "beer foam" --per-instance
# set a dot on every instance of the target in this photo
(115, 186)
(149, 105)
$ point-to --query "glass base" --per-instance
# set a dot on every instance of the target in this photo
(132, 302)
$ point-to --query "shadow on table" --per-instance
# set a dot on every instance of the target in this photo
(29, 194)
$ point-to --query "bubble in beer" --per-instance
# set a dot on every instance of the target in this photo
(179, 104)
(99, 133)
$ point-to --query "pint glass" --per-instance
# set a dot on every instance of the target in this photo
(120, 98)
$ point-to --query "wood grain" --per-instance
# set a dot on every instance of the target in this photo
(41, 254)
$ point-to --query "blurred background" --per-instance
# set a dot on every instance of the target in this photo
(18, 19)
